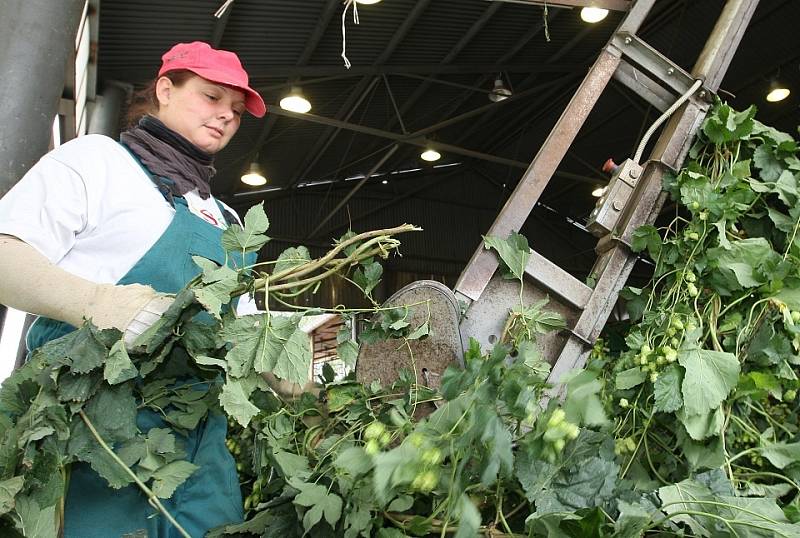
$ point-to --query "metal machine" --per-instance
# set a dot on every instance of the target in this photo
(633, 198)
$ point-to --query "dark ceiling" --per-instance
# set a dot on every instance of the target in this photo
(416, 64)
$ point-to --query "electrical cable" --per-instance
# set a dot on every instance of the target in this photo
(663, 117)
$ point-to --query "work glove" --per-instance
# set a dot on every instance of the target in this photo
(31, 283)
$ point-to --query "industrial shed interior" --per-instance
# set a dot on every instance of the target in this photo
(482, 82)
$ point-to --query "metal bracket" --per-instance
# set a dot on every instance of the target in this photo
(643, 86)
(654, 63)
(603, 218)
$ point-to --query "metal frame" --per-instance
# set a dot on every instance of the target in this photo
(614, 265)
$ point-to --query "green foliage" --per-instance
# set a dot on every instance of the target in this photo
(78, 398)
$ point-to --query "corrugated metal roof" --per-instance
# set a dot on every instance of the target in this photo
(457, 44)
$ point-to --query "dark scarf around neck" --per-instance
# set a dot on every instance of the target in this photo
(177, 165)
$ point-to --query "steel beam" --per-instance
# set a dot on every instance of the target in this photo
(319, 30)
(37, 40)
(615, 265)
(483, 263)
(613, 5)
(363, 88)
(412, 138)
(329, 135)
(499, 67)
(355, 189)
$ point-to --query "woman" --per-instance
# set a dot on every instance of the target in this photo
(105, 231)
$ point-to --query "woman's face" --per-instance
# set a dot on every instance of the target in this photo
(204, 112)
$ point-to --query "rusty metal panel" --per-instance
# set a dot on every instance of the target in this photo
(487, 316)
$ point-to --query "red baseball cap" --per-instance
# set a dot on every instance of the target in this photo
(219, 66)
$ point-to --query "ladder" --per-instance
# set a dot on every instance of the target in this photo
(633, 197)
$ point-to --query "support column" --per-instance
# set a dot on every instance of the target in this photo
(37, 38)
(105, 118)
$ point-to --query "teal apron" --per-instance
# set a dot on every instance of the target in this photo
(211, 496)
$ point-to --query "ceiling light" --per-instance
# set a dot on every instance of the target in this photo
(599, 191)
(295, 102)
(499, 92)
(430, 155)
(777, 92)
(593, 14)
(385, 182)
(254, 176)
(367, 1)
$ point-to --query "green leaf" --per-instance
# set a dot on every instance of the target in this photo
(514, 251)
(682, 497)
(222, 282)
(321, 504)
(291, 257)
(401, 503)
(78, 388)
(702, 425)
(8, 490)
(285, 350)
(420, 332)
(582, 405)
(710, 377)
(292, 465)
(743, 258)
(782, 455)
(632, 521)
(157, 333)
(667, 390)
(589, 484)
(787, 188)
(118, 366)
(86, 352)
(244, 335)
(169, 477)
(368, 276)
(766, 161)
(469, 519)
(112, 411)
(629, 378)
(251, 237)
(210, 361)
(348, 352)
(255, 220)
(646, 237)
(354, 461)
(36, 522)
(234, 400)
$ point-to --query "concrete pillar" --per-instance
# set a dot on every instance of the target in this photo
(105, 118)
(37, 38)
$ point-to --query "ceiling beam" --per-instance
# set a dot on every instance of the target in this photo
(535, 30)
(350, 106)
(311, 45)
(354, 190)
(411, 139)
(444, 65)
(613, 5)
(346, 111)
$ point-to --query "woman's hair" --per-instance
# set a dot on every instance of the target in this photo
(145, 101)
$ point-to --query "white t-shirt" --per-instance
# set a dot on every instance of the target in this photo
(90, 209)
